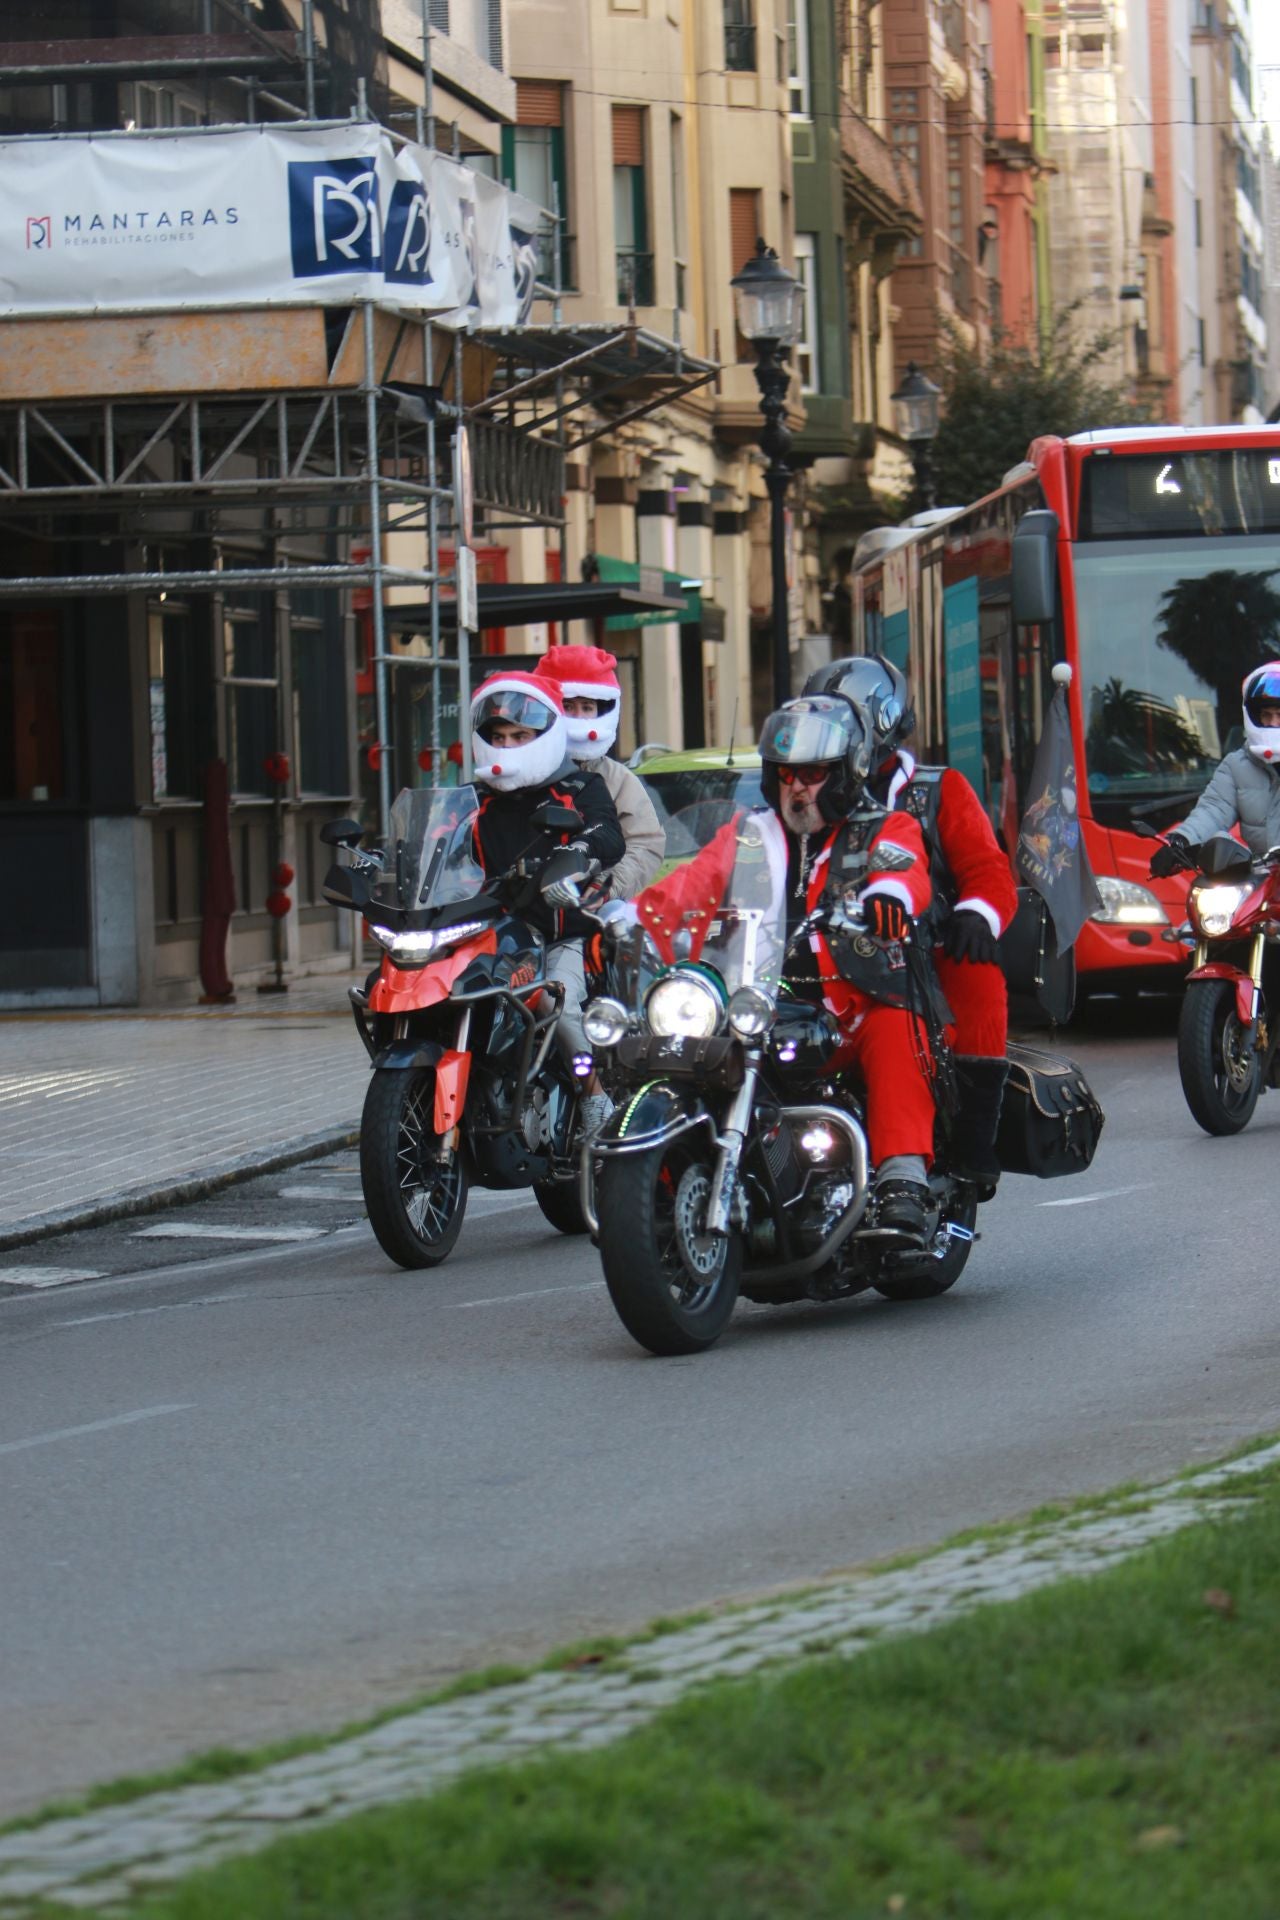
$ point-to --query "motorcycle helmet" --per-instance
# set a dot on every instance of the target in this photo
(586, 673)
(879, 691)
(814, 730)
(1262, 689)
(518, 700)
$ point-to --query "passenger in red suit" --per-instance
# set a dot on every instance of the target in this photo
(974, 897)
(821, 838)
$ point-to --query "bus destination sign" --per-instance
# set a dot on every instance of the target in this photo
(1130, 496)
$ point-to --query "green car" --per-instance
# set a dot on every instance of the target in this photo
(705, 787)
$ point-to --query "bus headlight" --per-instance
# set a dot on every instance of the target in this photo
(1126, 904)
(683, 1006)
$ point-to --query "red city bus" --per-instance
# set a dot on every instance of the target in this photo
(1165, 572)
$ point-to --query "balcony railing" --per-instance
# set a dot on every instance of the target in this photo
(635, 279)
(740, 49)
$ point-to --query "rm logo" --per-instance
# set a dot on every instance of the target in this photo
(408, 233)
(39, 232)
(334, 226)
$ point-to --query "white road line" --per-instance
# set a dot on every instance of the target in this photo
(536, 1293)
(194, 1230)
(1086, 1199)
(319, 1193)
(498, 1202)
(94, 1426)
(46, 1276)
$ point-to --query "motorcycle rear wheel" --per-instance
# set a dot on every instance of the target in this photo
(415, 1206)
(923, 1276)
(662, 1305)
(1221, 1079)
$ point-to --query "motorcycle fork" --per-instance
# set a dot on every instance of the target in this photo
(730, 1142)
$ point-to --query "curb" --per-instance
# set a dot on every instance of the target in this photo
(167, 1193)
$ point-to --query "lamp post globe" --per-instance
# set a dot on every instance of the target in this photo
(770, 314)
(915, 416)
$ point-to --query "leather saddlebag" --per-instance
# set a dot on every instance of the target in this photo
(1050, 1122)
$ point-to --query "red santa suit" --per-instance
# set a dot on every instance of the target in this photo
(886, 1045)
(975, 990)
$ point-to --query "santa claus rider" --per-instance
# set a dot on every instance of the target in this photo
(824, 842)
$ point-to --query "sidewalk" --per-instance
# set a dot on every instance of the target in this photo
(103, 1113)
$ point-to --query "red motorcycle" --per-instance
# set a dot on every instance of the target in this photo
(1227, 1035)
(459, 1023)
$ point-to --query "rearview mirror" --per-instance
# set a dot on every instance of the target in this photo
(1222, 854)
(1035, 568)
(554, 817)
(341, 833)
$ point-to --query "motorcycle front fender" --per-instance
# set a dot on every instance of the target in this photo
(654, 1113)
(408, 1053)
(1246, 1011)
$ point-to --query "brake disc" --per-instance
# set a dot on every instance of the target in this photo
(701, 1253)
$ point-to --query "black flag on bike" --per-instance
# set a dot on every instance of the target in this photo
(1051, 855)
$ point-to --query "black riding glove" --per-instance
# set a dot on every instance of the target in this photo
(967, 936)
(560, 882)
(1173, 857)
(887, 918)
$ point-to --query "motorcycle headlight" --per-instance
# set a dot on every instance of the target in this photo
(1126, 904)
(751, 1012)
(604, 1022)
(683, 1006)
(416, 948)
(1211, 905)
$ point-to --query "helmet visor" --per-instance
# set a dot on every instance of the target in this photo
(809, 736)
(512, 708)
(1263, 690)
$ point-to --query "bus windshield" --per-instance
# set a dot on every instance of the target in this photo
(1167, 633)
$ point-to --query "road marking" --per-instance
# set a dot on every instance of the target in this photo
(500, 1202)
(536, 1293)
(45, 1276)
(1086, 1199)
(94, 1426)
(193, 1230)
(319, 1193)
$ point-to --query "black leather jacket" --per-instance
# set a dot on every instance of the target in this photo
(506, 836)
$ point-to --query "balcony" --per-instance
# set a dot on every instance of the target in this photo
(739, 49)
(635, 279)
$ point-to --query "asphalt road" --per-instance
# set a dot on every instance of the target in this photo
(272, 1489)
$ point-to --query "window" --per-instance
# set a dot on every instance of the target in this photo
(178, 698)
(904, 132)
(798, 56)
(744, 231)
(739, 36)
(533, 162)
(251, 685)
(807, 355)
(1200, 331)
(33, 687)
(679, 231)
(488, 18)
(163, 107)
(319, 690)
(1195, 102)
(631, 209)
(1199, 225)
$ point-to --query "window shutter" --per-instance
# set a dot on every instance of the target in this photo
(438, 15)
(744, 225)
(628, 136)
(495, 34)
(539, 103)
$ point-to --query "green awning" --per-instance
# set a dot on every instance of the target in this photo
(625, 573)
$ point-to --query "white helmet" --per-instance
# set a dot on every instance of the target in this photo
(520, 701)
(586, 673)
(1262, 689)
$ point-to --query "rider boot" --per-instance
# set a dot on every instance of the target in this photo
(980, 1081)
(902, 1206)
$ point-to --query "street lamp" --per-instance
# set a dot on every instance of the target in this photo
(915, 415)
(770, 305)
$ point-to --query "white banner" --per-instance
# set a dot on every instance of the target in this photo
(258, 215)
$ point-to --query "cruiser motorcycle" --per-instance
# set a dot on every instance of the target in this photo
(459, 1023)
(1227, 1032)
(736, 1160)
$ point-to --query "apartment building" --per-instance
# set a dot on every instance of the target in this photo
(1232, 346)
(1013, 233)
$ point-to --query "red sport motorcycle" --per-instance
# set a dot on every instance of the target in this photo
(459, 1023)
(1227, 1034)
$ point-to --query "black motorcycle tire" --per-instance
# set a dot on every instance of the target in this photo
(392, 1139)
(1221, 1102)
(921, 1276)
(561, 1203)
(654, 1296)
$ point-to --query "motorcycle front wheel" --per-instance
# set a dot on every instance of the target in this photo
(415, 1204)
(1221, 1075)
(673, 1286)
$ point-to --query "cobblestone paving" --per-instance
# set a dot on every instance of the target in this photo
(103, 1859)
(96, 1106)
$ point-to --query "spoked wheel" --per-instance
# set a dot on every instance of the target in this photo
(922, 1276)
(415, 1202)
(673, 1284)
(1221, 1074)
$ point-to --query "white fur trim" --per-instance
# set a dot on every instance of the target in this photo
(1262, 742)
(902, 778)
(510, 768)
(973, 904)
(895, 889)
(588, 689)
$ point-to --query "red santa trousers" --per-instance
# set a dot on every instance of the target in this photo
(979, 1002)
(888, 1051)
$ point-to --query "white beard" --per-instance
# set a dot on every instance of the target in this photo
(801, 813)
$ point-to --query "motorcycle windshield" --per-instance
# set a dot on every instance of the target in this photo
(746, 941)
(431, 852)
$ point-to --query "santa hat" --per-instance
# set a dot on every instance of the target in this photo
(586, 673)
(525, 701)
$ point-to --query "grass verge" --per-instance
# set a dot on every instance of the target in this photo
(1103, 1748)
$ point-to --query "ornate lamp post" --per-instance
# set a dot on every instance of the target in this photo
(770, 304)
(915, 415)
